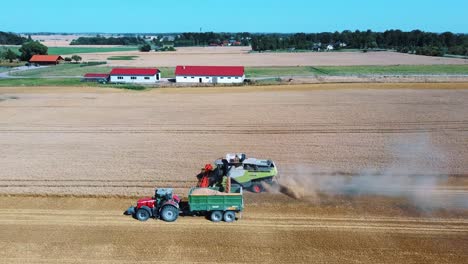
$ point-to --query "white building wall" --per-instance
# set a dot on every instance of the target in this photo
(230, 79)
(138, 79)
(210, 79)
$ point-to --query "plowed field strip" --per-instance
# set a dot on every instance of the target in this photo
(265, 124)
(187, 184)
(312, 173)
(107, 218)
(84, 185)
(239, 131)
(88, 260)
(262, 128)
(91, 180)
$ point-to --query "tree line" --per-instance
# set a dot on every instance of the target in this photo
(29, 49)
(99, 40)
(7, 38)
(416, 41)
(212, 38)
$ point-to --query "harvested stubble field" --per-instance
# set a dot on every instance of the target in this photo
(242, 56)
(93, 230)
(95, 142)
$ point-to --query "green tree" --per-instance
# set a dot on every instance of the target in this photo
(10, 55)
(76, 58)
(67, 59)
(145, 48)
(29, 49)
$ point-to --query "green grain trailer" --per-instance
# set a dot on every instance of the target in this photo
(218, 205)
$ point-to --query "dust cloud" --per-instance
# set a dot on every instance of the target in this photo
(416, 172)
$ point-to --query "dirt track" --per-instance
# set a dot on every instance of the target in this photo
(62, 230)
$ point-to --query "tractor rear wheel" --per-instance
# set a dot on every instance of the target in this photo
(142, 214)
(216, 216)
(169, 213)
(229, 216)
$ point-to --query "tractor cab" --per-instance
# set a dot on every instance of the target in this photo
(163, 194)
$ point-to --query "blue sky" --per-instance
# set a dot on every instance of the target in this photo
(232, 16)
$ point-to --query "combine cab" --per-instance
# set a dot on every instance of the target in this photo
(250, 173)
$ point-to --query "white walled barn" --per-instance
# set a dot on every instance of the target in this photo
(210, 74)
(135, 75)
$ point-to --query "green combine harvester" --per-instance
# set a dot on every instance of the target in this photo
(250, 173)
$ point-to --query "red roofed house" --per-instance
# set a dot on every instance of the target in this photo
(46, 59)
(135, 75)
(210, 74)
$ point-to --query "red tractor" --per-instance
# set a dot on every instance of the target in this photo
(164, 205)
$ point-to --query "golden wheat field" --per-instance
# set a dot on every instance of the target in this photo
(375, 173)
(243, 56)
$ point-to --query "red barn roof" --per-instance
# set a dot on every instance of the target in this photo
(45, 58)
(134, 71)
(210, 70)
(96, 75)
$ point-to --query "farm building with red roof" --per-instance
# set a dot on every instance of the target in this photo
(210, 74)
(135, 75)
(46, 59)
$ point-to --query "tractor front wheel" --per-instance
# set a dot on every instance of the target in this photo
(216, 216)
(142, 214)
(169, 213)
(229, 216)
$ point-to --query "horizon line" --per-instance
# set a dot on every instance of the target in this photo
(251, 32)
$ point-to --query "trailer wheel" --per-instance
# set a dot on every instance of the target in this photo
(229, 216)
(142, 214)
(169, 213)
(216, 216)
